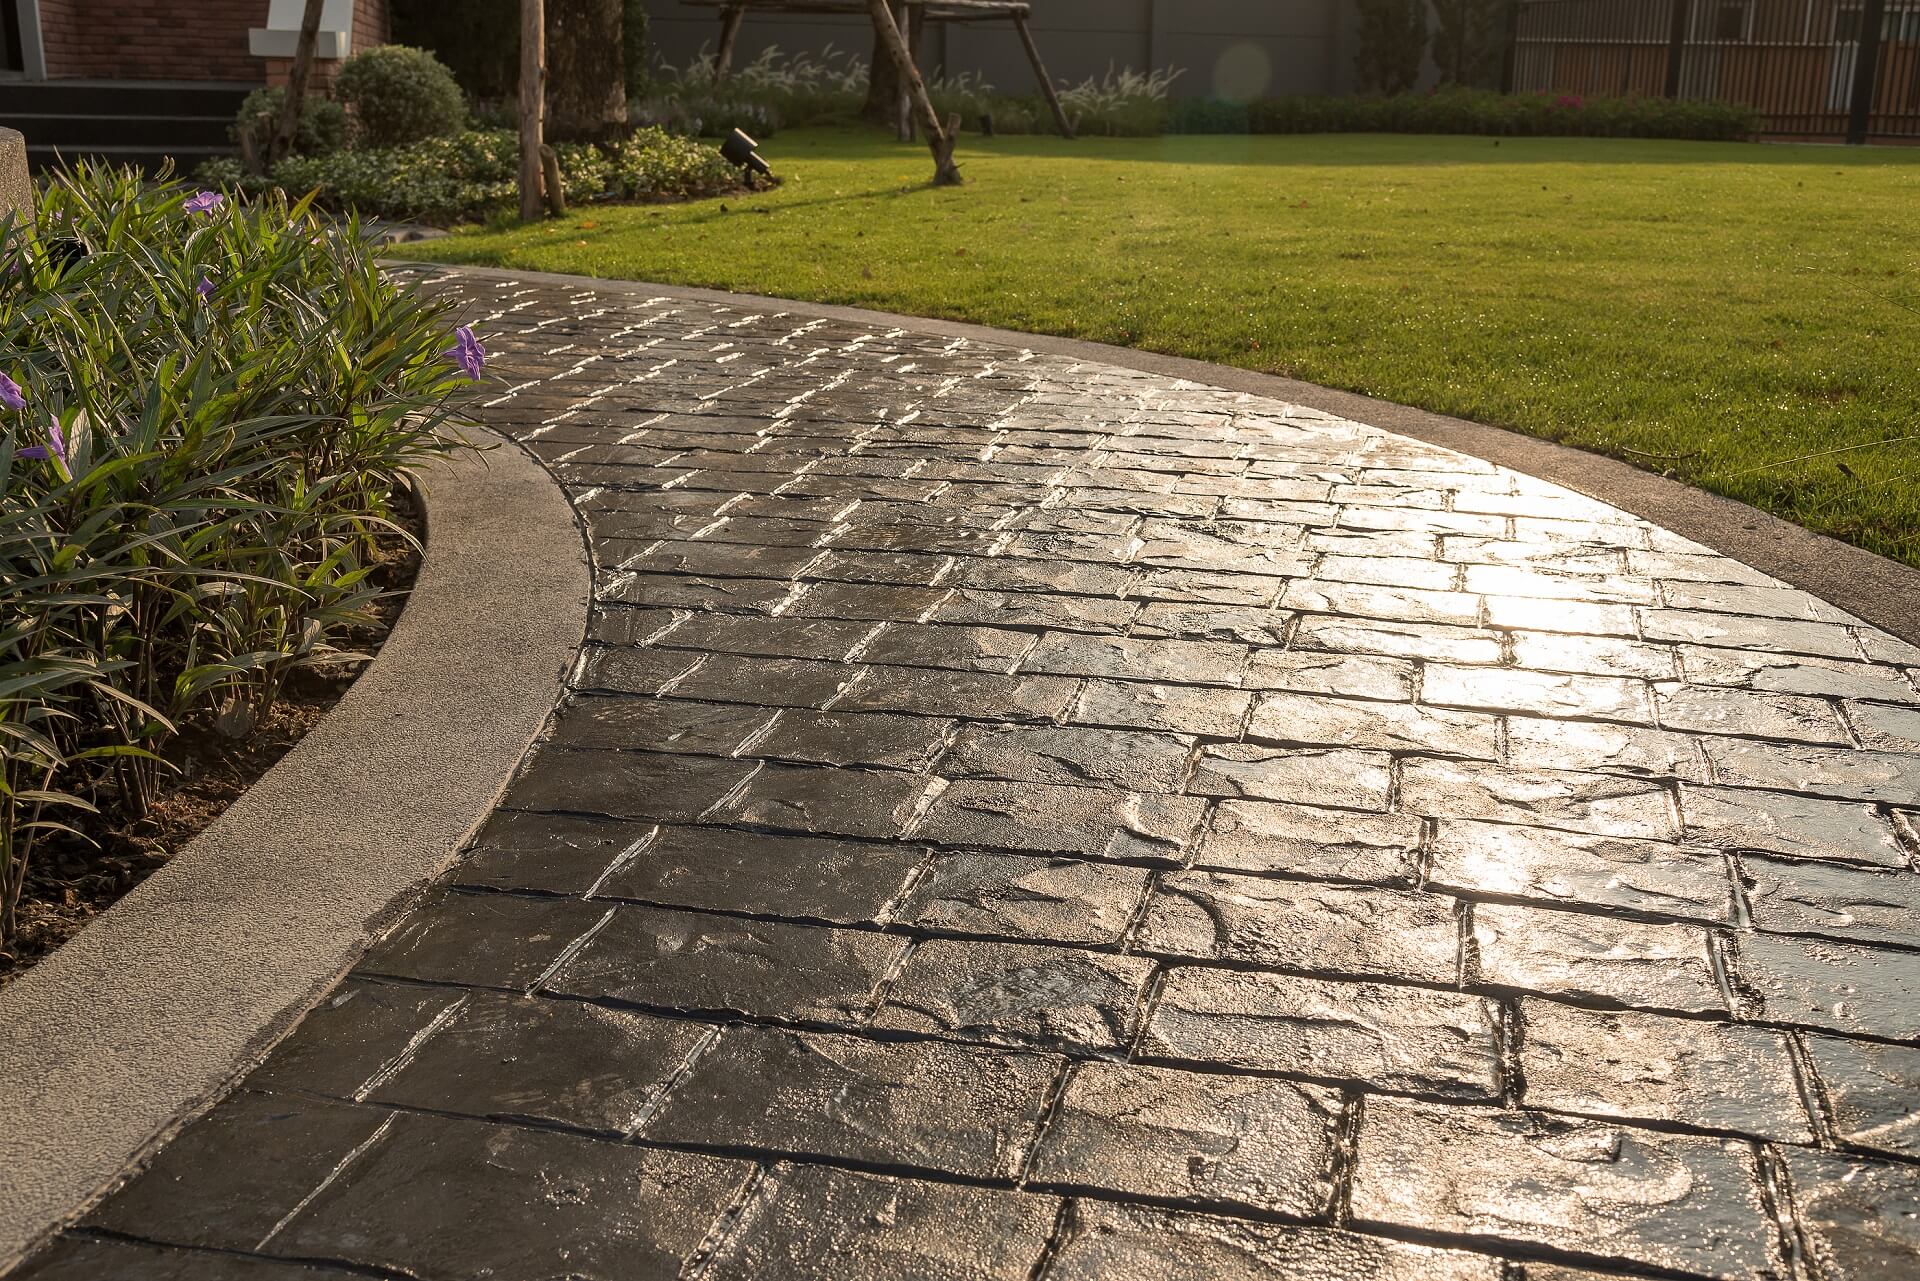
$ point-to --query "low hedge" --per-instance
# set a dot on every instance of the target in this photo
(1479, 111)
(474, 174)
(1446, 111)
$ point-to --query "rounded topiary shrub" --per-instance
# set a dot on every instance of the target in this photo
(399, 95)
(322, 130)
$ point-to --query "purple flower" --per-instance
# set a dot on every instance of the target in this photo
(55, 448)
(467, 352)
(204, 202)
(10, 394)
(204, 288)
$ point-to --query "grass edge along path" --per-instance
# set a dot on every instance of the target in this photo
(1743, 317)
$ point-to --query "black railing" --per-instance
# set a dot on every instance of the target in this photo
(1815, 69)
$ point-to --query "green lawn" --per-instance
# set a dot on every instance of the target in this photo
(1742, 316)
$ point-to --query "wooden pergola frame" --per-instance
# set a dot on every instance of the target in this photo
(900, 38)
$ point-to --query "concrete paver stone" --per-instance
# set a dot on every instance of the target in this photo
(1016, 817)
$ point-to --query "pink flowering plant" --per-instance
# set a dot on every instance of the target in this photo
(206, 406)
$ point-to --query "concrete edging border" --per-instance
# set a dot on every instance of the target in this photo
(111, 1042)
(1879, 591)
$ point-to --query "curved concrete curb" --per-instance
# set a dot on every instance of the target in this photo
(158, 1004)
(1880, 591)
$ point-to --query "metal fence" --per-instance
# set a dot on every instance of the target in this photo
(1814, 69)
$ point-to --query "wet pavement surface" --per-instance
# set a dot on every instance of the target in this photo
(1035, 820)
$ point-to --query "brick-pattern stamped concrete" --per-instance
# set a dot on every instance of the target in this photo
(1034, 820)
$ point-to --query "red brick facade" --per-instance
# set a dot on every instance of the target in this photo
(171, 40)
(370, 25)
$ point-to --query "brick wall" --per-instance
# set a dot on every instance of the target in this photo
(370, 25)
(151, 39)
(155, 40)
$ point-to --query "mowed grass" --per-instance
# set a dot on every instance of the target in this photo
(1741, 316)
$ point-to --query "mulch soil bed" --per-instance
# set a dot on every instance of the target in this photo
(70, 882)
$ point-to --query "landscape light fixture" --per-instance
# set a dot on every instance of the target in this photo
(741, 152)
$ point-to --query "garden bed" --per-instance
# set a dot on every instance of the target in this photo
(208, 409)
(75, 880)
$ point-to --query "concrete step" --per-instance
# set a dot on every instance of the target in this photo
(127, 122)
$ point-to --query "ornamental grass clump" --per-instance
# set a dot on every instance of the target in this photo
(206, 409)
(774, 91)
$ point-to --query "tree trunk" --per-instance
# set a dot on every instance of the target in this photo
(884, 88)
(586, 71)
(533, 64)
(296, 100)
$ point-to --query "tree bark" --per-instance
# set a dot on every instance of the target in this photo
(586, 71)
(533, 66)
(940, 137)
(302, 70)
(885, 88)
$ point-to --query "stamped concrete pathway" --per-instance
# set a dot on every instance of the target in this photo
(1022, 820)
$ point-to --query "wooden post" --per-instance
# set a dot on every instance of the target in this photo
(554, 181)
(297, 77)
(940, 139)
(912, 18)
(730, 19)
(533, 104)
(1046, 81)
(1866, 71)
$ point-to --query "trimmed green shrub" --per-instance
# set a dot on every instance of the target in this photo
(470, 175)
(1477, 111)
(205, 410)
(397, 95)
(1207, 115)
(322, 128)
(656, 165)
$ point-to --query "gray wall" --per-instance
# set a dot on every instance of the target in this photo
(1233, 48)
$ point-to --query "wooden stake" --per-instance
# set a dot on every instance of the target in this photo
(730, 19)
(554, 181)
(533, 104)
(912, 17)
(1046, 81)
(940, 140)
(297, 77)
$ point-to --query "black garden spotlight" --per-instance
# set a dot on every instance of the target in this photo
(741, 152)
